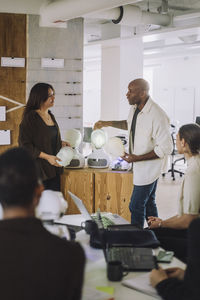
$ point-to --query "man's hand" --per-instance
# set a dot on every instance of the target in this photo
(100, 124)
(130, 157)
(157, 276)
(175, 273)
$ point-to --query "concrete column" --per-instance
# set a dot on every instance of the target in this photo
(121, 63)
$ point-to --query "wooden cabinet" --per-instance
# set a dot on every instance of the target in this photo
(99, 188)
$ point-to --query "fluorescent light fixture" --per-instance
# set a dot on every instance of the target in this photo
(16, 62)
(52, 62)
(153, 51)
(194, 47)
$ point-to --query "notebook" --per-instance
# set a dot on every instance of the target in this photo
(142, 284)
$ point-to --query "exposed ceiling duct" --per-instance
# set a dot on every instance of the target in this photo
(103, 9)
(131, 16)
(64, 10)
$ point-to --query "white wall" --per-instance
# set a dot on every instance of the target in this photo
(176, 80)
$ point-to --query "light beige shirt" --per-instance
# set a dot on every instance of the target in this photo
(152, 132)
(189, 196)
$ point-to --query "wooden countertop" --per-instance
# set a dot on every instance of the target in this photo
(94, 170)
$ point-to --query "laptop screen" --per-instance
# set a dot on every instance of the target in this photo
(80, 206)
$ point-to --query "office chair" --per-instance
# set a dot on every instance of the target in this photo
(172, 169)
(197, 120)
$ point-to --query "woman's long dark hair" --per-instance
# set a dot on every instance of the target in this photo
(191, 134)
(38, 95)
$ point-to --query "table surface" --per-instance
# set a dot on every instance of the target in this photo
(95, 273)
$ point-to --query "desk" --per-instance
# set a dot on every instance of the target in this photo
(95, 272)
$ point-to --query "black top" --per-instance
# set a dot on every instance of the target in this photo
(53, 136)
(37, 265)
(133, 124)
(35, 136)
(189, 288)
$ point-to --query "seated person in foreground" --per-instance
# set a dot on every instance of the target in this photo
(34, 264)
(172, 232)
(175, 283)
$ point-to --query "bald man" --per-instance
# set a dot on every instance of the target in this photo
(149, 142)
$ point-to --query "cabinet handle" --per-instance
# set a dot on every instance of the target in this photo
(108, 197)
(124, 200)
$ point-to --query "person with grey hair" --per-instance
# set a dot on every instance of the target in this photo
(149, 143)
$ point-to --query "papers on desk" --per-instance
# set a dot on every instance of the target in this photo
(94, 294)
(70, 220)
(78, 219)
(142, 284)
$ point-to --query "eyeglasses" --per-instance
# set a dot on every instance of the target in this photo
(52, 95)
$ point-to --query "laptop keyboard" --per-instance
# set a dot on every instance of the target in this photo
(104, 220)
(131, 258)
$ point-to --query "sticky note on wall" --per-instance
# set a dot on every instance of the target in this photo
(2, 113)
(4, 137)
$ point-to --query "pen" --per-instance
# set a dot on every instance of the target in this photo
(156, 263)
(98, 214)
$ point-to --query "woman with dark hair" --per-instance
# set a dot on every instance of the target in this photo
(172, 232)
(40, 135)
(175, 283)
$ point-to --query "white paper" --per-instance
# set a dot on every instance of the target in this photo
(71, 220)
(4, 137)
(142, 284)
(52, 63)
(13, 62)
(2, 113)
(93, 294)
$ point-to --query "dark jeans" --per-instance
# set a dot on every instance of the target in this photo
(52, 183)
(173, 240)
(143, 203)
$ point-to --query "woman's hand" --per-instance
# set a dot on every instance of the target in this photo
(65, 144)
(53, 160)
(175, 273)
(157, 276)
(154, 222)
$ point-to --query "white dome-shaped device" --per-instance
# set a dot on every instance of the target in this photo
(65, 154)
(73, 137)
(98, 138)
(51, 205)
(115, 147)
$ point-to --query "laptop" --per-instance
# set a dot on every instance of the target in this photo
(106, 220)
(132, 258)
